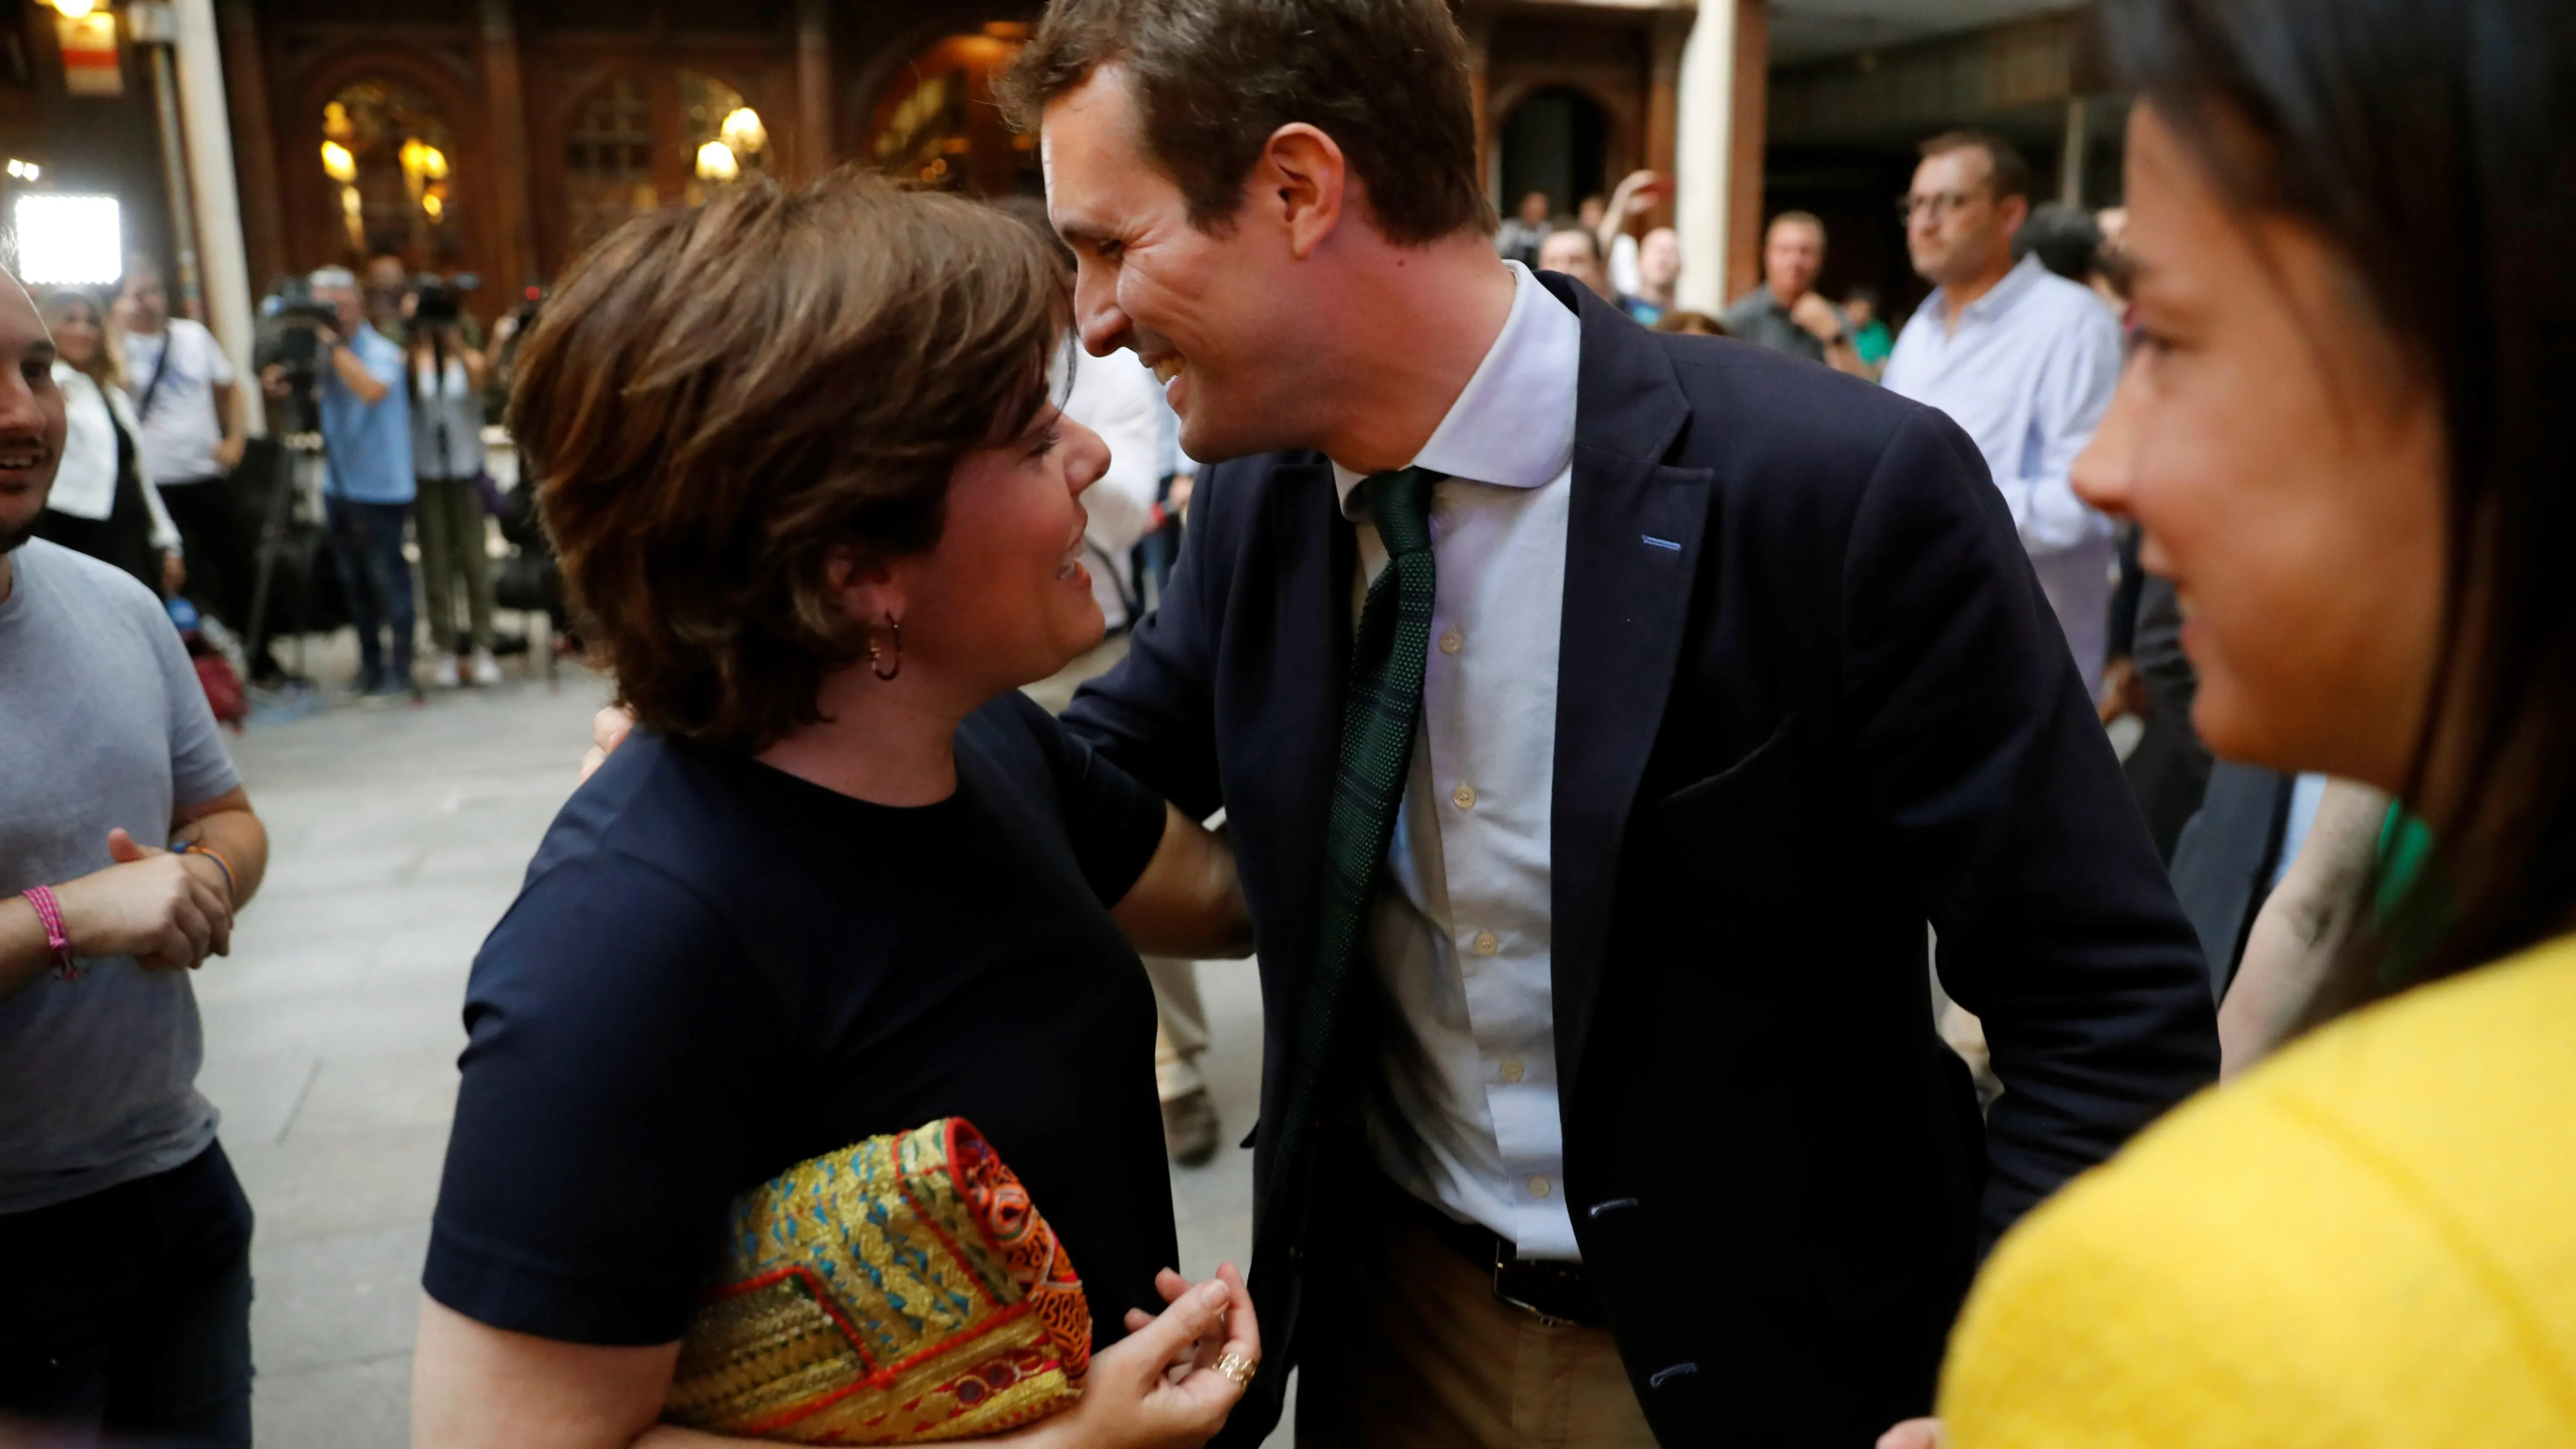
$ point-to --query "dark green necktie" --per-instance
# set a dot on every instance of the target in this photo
(1381, 704)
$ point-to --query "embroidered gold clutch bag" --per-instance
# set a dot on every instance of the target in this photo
(899, 1291)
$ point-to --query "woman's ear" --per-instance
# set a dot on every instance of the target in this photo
(861, 586)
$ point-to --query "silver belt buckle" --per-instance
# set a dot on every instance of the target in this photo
(1507, 1300)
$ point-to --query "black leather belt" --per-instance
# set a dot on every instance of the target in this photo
(1546, 1289)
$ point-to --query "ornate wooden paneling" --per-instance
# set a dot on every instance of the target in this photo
(1607, 54)
(2029, 67)
(316, 229)
(524, 85)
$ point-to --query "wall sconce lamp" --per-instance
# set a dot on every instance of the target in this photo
(743, 132)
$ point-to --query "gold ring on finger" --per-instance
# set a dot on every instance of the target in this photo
(1238, 1367)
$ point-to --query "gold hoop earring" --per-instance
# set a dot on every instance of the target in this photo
(876, 656)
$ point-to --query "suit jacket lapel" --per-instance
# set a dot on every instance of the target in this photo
(1632, 553)
(1314, 553)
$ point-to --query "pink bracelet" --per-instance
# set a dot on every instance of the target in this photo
(50, 912)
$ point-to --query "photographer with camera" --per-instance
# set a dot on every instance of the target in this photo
(364, 414)
(447, 376)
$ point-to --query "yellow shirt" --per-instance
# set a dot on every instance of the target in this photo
(2371, 1241)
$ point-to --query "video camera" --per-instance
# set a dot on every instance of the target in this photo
(440, 302)
(290, 315)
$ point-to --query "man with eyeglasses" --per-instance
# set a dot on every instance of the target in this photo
(2022, 359)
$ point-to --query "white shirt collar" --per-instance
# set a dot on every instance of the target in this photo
(1513, 424)
(1999, 298)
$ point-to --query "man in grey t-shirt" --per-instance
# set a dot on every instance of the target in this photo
(1786, 313)
(124, 1238)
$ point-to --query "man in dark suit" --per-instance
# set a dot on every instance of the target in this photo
(1601, 717)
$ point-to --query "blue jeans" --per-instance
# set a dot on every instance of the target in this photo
(367, 547)
(128, 1310)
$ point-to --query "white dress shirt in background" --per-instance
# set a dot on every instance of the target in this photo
(2028, 374)
(1627, 278)
(85, 480)
(178, 436)
(1117, 397)
(1462, 935)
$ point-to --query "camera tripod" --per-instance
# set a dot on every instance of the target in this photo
(294, 492)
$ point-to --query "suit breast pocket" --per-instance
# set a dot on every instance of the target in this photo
(1746, 835)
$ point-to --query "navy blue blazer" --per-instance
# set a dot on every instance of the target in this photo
(1810, 698)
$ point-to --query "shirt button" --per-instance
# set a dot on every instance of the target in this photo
(1464, 796)
(1511, 1069)
(1452, 642)
(1540, 1187)
(1487, 943)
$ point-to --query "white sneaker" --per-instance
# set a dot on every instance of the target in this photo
(487, 670)
(443, 673)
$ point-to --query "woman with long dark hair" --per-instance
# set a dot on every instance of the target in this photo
(2342, 432)
(447, 462)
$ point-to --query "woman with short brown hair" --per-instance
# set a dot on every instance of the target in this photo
(801, 457)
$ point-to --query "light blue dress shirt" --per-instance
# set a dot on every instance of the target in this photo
(1461, 936)
(367, 448)
(2028, 373)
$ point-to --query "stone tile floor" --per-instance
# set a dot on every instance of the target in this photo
(399, 832)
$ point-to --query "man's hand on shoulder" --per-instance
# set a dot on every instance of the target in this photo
(608, 729)
(1189, 902)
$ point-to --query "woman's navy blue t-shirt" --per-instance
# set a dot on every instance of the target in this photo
(716, 970)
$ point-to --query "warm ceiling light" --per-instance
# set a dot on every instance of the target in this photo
(433, 163)
(337, 163)
(74, 9)
(716, 162)
(434, 205)
(743, 132)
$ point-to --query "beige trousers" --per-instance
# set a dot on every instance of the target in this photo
(1425, 1356)
(1180, 1027)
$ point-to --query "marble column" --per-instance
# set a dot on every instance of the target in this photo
(1703, 153)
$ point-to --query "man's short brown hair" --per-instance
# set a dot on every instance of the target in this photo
(2009, 172)
(1386, 79)
(714, 401)
(1591, 239)
(1807, 219)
